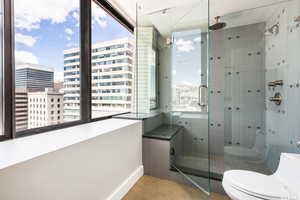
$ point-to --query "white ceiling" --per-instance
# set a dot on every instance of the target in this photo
(188, 13)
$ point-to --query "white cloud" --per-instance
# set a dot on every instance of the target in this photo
(69, 31)
(30, 13)
(100, 22)
(76, 16)
(25, 57)
(25, 39)
(197, 39)
(184, 82)
(184, 45)
(98, 16)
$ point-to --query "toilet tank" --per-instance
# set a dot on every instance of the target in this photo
(288, 172)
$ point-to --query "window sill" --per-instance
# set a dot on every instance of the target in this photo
(22, 149)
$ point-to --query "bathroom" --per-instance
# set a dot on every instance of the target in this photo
(227, 81)
(149, 99)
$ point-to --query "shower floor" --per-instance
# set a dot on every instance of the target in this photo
(198, 165)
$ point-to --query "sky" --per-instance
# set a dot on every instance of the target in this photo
(186, 58)
(45, 28)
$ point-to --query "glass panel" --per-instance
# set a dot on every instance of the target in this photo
(177, 32)
(153, 80)
(186, 83)
(255, 81)
(47, 63)
(112, 65)
(1, 68)
(188, 77)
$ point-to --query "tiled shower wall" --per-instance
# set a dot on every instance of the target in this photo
(146, 44)
(283, 63)
(236, 86)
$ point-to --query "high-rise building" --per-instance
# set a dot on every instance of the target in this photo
(21, 109)
(34, 77)
(45, 108)
(112, 79)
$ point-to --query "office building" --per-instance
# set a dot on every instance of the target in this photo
(21, 109)
(112, 79)
(45, 108)
(34, 77)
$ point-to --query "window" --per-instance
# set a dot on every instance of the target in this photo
(50, 46)
(44, 34)
(185, 83)
(112, 55)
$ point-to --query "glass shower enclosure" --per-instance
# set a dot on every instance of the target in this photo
(172, 39)
(230, 80)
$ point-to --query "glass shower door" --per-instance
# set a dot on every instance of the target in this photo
(189, 104)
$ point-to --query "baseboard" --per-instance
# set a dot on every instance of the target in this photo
(122, 190)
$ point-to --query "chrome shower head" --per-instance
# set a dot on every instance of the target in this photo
(218, 25)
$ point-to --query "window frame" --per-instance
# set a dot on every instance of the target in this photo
(85, 72)
(110, 10)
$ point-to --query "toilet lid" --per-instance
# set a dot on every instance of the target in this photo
(256, 184)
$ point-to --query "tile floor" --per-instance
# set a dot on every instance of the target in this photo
(150, 188)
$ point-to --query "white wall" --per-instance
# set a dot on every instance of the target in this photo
(90, 170)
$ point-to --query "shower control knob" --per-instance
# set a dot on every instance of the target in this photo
(277, 99)
(298, 144)
(278, 82)
(237, 108)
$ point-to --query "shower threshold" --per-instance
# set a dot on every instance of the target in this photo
(197, 172)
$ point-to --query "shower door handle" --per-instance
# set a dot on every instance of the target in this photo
(202, 96)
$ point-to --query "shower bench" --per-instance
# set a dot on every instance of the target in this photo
(160, 146)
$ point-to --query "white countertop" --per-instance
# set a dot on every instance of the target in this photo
(21, 149)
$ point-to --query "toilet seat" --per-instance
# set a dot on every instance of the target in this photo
(256, 185)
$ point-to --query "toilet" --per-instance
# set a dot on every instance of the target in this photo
(283, 184)
(256, 153)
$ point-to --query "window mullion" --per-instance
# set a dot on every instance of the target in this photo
(85, 59)
(8, 75)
